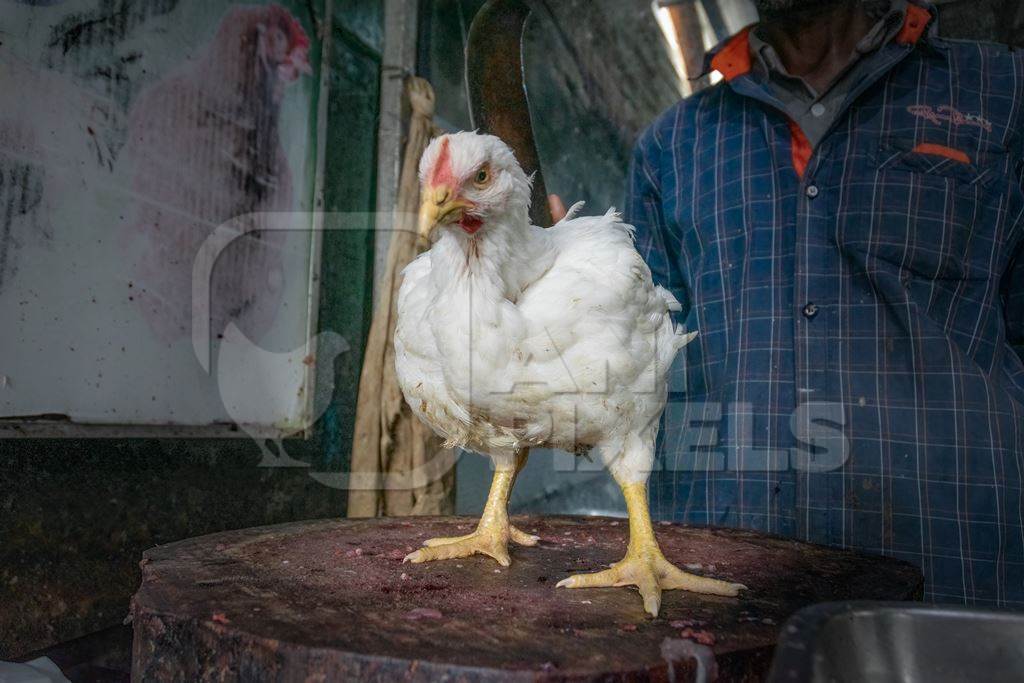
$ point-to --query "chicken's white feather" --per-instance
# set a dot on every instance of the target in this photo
(515, 336)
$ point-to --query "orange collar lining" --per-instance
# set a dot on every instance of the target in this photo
(914, 25)
(733, 60)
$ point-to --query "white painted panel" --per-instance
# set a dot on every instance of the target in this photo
(128, 133)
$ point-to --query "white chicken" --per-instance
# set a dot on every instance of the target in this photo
(510, 336)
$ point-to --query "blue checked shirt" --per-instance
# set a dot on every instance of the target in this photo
(858, 379)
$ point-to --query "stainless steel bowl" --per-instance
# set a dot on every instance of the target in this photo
(899, 641)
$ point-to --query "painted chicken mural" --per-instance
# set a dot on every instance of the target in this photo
(203, 147)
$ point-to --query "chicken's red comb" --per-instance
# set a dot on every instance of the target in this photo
(442, 173)
(296, 34)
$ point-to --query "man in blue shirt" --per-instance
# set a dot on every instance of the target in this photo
(843, 219)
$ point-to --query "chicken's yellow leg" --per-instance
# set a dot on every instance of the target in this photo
(493, 531)
(644, 566)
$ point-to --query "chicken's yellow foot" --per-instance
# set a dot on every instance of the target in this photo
(492, 534)
(514, 535)
(644, 566)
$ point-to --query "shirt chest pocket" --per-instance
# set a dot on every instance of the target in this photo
(928, 211)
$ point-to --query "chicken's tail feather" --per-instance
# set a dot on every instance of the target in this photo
(670, 300)
(682, 337)
(615, 216)
(573, 210)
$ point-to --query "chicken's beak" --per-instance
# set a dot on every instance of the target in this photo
(439, 204)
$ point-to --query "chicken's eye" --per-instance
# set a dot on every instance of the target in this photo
(482, 176)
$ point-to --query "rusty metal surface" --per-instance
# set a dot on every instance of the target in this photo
(333, 599)
(497, 90)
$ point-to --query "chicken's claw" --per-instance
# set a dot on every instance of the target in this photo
(489, 541)
(651, 573)
(522, 538)
(514, 535)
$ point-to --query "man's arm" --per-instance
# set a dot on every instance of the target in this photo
(644, 211)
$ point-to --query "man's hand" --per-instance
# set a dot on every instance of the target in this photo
(557, 207)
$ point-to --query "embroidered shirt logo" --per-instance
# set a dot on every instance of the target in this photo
(947, 113)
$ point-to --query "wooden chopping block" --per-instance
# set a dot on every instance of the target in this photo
(331, 600)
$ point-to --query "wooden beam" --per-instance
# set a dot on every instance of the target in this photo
(400, 32)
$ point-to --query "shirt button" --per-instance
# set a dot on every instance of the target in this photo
(812, 191)
(810, 310)
(818, 109)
